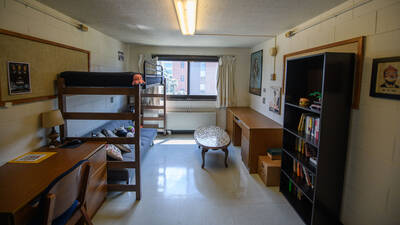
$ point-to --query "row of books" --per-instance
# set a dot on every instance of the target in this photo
(302, 174)
(309, 123)
(305, 150)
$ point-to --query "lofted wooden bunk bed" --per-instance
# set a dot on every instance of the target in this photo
(93, 83)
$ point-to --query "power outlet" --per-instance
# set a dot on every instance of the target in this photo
(263, 100)
(112, 100)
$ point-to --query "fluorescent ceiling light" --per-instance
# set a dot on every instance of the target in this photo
(186, 12)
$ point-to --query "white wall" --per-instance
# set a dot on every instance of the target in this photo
(371, 190)
(241, 73)
(20, 129)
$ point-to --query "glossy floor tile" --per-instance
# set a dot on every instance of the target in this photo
(175, 190)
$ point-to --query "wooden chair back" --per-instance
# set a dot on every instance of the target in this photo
(70, 187)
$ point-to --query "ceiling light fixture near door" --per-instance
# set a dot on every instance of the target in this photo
(186, 11)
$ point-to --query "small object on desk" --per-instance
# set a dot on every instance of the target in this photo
(274, 153)
(32, 157)
(72, 144)
(304, 102)
(51, 119)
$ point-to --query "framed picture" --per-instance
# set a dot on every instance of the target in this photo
(385, 81)
(121, 56)
(275, 102)
(256, 72)
(19, 80)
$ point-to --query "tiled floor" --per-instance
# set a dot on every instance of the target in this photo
(177, 191)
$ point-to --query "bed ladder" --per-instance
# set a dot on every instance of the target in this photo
(163, 108)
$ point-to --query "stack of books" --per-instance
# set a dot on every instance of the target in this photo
(309, 123)
(316, 106)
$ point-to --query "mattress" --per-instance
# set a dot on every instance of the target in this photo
(103, 79)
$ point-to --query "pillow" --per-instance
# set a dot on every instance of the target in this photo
(99, 135)
(130, 129)
(113, 152)
(122, 147)
(130, 134)
(120, 132)
(108, 133)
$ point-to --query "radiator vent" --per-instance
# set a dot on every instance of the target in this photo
(190, 120)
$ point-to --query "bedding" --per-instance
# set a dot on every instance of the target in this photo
(104, 79)
(147, 135)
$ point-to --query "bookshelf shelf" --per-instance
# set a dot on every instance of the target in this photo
(302, 160)
(315, 192)
(307, 192)
(303, 108)
(307, 138)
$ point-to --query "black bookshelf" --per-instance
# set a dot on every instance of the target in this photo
(317, 200)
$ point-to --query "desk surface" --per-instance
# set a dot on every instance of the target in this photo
(252, 119)
(21, 183)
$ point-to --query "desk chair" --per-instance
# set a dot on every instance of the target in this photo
(65, 201)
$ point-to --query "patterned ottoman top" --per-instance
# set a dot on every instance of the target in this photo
(212, 137)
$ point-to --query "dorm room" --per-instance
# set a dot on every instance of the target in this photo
(199, 112)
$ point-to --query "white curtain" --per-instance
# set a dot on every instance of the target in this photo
(141, 62)
(226, 82)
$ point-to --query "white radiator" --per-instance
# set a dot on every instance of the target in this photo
(190, 120)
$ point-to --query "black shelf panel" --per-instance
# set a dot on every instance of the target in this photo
(299, 207)
(302, 160)
(303, 108)
(307, 191)
(307, 138)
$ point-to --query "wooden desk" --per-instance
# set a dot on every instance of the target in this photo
(254, 132)
(21, 184)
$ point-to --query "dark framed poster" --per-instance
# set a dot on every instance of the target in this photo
(256, 73)
(19, 80)
(385, 82)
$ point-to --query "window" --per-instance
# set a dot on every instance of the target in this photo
(190, 77)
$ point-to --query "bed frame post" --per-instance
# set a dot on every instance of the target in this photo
(62, 106)
(138, 102)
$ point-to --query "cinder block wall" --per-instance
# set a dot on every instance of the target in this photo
(20, 128)
(371, 190)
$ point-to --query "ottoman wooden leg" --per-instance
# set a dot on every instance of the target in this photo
(203, 154)
(226, 156)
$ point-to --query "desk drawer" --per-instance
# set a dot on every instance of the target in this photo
(97, 160)
(246, 133)
(245, 151)
(96, 191)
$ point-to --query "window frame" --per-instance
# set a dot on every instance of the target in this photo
(188, 59)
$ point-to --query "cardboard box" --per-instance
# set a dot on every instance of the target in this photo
(269, 170)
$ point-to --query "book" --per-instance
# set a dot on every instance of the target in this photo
(315, 107)
(306, 177)
(274, 153)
